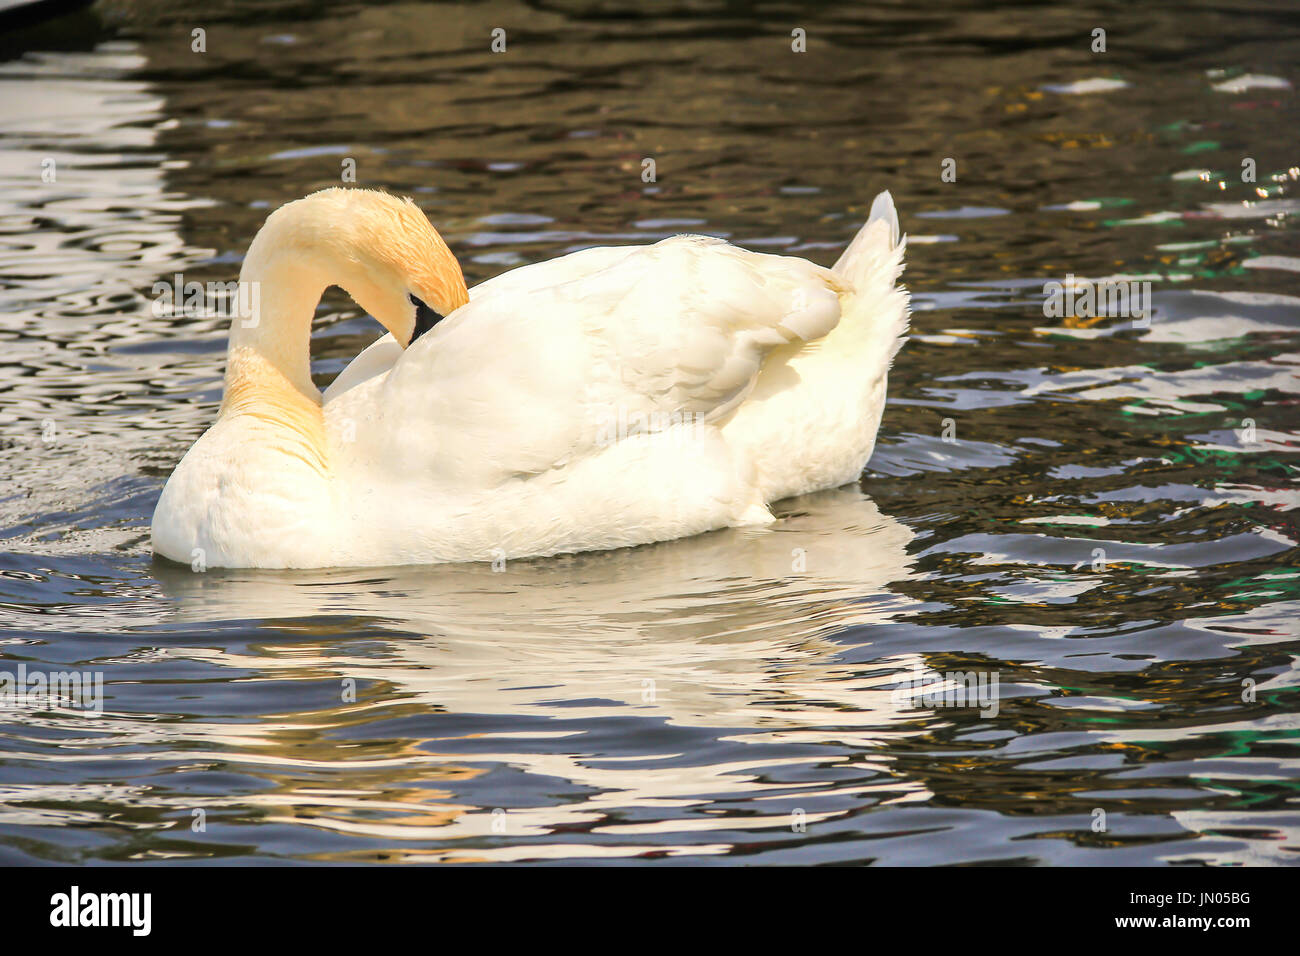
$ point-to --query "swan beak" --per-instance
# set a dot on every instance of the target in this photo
(425, 318)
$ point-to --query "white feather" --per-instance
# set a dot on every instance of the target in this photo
(612, 397)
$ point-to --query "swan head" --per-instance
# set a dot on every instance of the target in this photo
(411, 280)
(380, 249)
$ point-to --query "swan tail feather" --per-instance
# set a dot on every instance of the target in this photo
(872, 264)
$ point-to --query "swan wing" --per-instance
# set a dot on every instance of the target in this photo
(375, 359)
(545, 360)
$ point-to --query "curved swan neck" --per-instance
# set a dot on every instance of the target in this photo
(273, 328)
(380, 249)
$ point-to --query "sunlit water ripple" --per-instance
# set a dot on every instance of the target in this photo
(1102, 515)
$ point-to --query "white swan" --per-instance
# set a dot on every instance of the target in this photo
(611, 397)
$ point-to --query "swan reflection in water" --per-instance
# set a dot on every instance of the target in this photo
(734, 631)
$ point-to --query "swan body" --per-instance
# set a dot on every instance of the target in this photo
(611, 397)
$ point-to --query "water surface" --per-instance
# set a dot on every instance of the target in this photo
(1103, 516)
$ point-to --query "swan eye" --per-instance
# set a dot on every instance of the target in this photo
(425, 317)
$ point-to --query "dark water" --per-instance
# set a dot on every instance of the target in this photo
(1101, 516)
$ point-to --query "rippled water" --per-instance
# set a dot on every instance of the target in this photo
(1102, 516)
